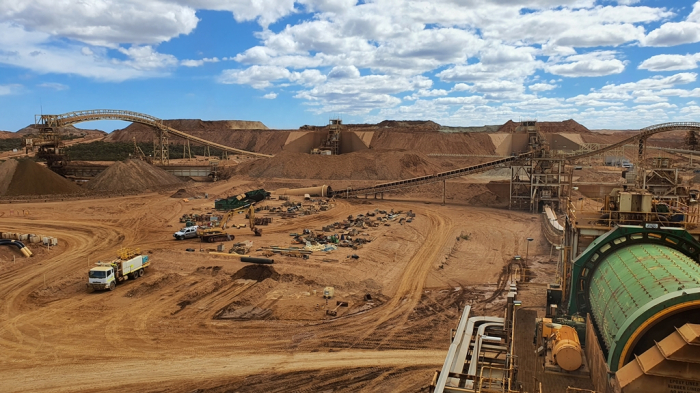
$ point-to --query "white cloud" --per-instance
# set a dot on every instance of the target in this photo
(676, 33)
(360, 95)
(258, 77)
(54, 86)
(537, 87)
(654, 83)
(261, 77)
(270, 96)
(672, 34)
(145, 58)
(597, 63)
(9, 89)
(33, 51)
(200, 62)
(469, 100)
(670, 62)
(344, 72)
(264, 12)
(103, 22)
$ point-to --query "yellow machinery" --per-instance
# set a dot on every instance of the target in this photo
(218, 233)
(251, 221)
(566, 349)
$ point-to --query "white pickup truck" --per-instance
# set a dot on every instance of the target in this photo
(186, 233)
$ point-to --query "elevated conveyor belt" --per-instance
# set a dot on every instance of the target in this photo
(644, 133)
(417, 181)
(134, 117)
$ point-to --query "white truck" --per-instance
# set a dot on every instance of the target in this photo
(106, 274)
(186, 233)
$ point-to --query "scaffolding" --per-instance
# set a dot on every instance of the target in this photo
(538, 182)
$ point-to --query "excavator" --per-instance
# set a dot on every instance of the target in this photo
(218, 233)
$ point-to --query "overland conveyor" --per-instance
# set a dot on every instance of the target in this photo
(70, 118)
(644, 133)
(417, 181)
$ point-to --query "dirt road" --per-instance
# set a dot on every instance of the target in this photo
(161, 332)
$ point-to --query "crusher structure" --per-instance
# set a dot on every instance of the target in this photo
(639, 287)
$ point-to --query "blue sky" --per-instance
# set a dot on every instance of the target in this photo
(607, 64)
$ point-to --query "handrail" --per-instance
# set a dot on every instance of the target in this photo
(74, 117)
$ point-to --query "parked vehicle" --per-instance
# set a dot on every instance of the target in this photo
(186, 233)
(129, 265)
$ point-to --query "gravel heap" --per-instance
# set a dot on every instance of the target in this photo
(131, 175)
(26, 177)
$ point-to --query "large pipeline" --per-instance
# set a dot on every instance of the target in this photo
(264, 261)
(22, 248)
(320, 191)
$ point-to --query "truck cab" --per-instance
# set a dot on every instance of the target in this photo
(102, 277)
(186, 233)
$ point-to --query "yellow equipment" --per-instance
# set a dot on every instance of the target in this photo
(566, 348)
(218, 233)
(251, 221)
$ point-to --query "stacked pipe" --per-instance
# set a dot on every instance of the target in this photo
(22, 248)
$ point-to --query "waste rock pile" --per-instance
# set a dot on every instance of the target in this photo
(365, 165)
(132, 175)
(27, 178)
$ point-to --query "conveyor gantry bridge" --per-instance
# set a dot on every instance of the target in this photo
(438, 177)
(641, 138)
(51, 121)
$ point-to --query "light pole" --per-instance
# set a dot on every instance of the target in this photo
(527, 250)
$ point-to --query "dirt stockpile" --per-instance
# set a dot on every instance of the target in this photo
(550, 127)
(131, 175)
(65, 131)
(434, 142)
(26, 177)
(365, 165)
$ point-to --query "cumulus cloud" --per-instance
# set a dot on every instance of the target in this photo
(261, 77)
(670, 62)
(489, 57)
(676, 33)
(33, 50)
(537, 87)
(598, 63)
(344, 72)
(145, 58)
(264, 12)
(103, 22)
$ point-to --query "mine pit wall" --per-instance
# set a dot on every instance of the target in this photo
(506, 144)
(564, 141)
(305, 141)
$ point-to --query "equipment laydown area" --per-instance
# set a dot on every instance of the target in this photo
(371, 316)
